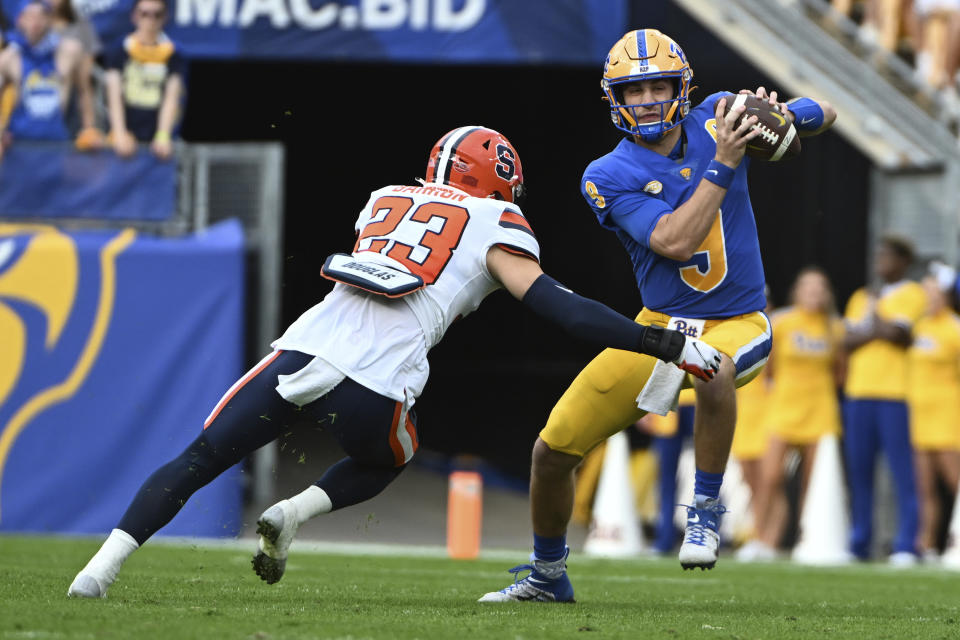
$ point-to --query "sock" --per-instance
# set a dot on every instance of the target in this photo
(106, 563)
(707, 484)
(549, 549)
(313, 501)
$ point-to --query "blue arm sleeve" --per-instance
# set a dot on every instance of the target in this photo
(598, 324)
(807, 114)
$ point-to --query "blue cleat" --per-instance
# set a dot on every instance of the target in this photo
(546, 582)
(701, 540)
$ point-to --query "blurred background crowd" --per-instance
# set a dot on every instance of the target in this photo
(925, 33)
(58, 81)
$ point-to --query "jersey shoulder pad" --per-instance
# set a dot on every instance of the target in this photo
(512, 218)
(613, 174)
(514, 233)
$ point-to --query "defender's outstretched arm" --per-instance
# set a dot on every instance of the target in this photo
(594, 322)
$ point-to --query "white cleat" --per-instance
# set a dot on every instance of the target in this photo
(701, 542)
(546, 582)
(276, 526)
(86, 586)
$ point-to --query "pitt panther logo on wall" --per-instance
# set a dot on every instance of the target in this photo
(55, 308)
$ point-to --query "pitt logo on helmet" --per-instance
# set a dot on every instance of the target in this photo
(647, 54)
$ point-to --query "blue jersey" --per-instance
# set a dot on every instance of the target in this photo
(631, 188)
(38, 114)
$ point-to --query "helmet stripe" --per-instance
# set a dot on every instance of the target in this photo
(641, 44)
(449, 148)
(432, 171)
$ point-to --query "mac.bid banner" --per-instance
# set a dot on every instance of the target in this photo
(424, 31)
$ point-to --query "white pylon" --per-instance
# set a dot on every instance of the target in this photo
(951, 555)
(614, 531)
(825, 523)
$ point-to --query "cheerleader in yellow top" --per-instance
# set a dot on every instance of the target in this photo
(933, 397)
(749, 444)
(802, 406)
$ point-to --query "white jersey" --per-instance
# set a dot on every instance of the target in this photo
(438, 233)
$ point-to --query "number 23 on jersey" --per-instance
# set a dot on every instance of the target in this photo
(421, 238)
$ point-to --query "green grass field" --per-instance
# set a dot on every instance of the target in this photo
(205, 592)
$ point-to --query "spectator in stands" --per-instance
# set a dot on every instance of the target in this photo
(144, 83)
(884, 22)
(879, 320)
(81, 118)
(934, 400)
(39, 66)
(938, 45)
(804, 367)
(924, 31)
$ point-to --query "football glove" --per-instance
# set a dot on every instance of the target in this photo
(699, 359)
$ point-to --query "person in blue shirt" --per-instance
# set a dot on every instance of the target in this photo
(675, 193)
(38, 64)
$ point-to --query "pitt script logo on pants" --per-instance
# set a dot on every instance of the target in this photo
(688, 330)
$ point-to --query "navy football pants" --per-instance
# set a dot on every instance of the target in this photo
(361, 420)
(871, 425)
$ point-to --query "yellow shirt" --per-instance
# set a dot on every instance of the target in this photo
(934, 384)
(878, 369)
(803, 401)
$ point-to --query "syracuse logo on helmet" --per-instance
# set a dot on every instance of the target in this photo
(647, 54)
(477, 160)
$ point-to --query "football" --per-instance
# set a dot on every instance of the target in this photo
(778, 139)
